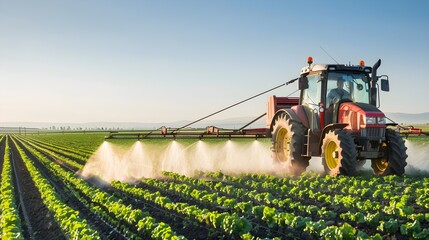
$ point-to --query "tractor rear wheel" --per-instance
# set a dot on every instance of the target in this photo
(288, 144)
(339, 154)
(395, 150)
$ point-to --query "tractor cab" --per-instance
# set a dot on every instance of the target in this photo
(326, 87)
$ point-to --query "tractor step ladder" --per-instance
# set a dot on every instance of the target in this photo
(306, 150)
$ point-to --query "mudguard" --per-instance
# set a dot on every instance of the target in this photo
(297, 117)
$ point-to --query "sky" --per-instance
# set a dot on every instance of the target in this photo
(160, 61)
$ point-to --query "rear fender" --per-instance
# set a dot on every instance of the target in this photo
(291, 114)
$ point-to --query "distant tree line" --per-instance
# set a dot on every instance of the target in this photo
(68, 128)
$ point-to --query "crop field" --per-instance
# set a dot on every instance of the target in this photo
(44, 195)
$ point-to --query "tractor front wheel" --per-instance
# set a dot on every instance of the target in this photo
(339, 154)
(395, 156)
(288, 144)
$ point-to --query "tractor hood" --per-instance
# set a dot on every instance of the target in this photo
(367, 107)
(360, 116)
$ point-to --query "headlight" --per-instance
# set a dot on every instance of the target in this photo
(381, 120)
(370, 120)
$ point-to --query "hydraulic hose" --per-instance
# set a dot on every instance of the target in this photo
(235, 104)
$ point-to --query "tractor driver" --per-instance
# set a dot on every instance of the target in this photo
(336, 94)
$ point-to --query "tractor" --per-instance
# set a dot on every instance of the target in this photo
(337, 118)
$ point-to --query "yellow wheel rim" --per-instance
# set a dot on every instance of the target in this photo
(331, 155)
(283, 142)
(381, 164)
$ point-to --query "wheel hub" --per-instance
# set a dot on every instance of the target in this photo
(331, 155)
(381, 164)
(283, 141)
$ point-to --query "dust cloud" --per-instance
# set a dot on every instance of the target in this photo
(418, 158)
(148, 159)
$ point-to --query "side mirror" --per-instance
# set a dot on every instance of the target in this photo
(359, 87)
(303, 83)
(385, 85)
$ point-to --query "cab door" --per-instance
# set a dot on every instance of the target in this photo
(311, 98)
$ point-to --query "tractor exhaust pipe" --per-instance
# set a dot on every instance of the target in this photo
(374, 79)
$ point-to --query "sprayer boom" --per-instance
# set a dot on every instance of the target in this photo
(209, 132)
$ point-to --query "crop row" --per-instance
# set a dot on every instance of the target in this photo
(124, 214)
(66, 157)
(10, 223)
(395, 215)
(68, 218)
(83, 143)
(271, 215)
(390, 195)
(66, 151)
(229, 223)
(381, 189)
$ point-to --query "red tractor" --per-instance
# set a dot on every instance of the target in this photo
(336, 117)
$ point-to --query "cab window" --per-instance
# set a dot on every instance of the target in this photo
(346, 85)
(311, 96)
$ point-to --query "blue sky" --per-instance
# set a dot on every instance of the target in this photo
(160, 61)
